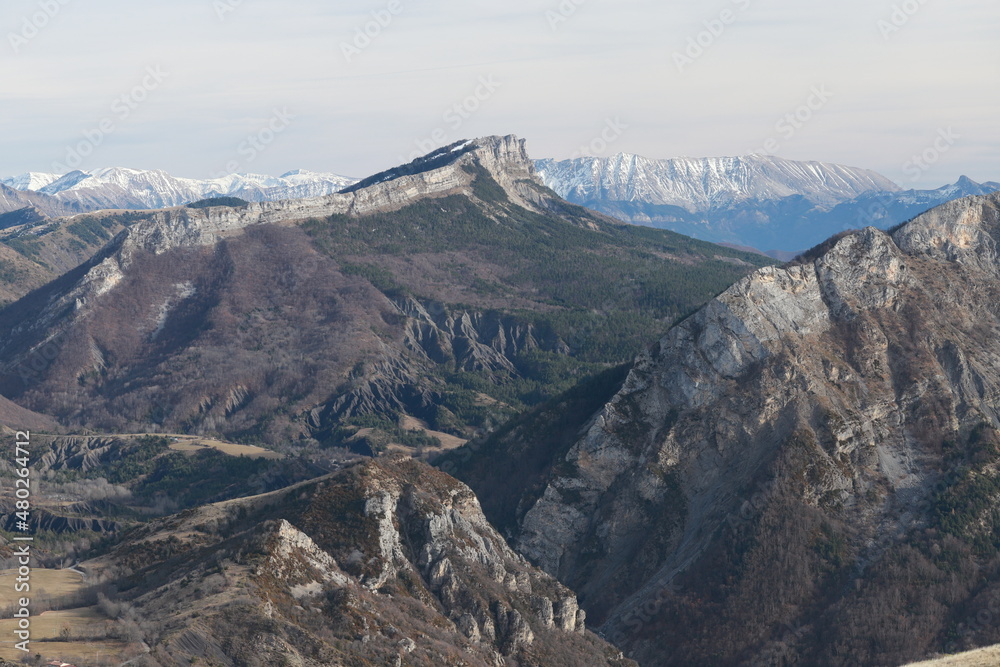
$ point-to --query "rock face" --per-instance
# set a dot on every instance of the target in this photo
(487, 344)
(774, 471)
(183, 227)
(389, 561)
(283, 319)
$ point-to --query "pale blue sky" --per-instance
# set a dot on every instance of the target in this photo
(558, 87)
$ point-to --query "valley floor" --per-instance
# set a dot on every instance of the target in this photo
(80, 633)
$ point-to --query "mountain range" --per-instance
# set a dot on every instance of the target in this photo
(762, 202)
(705, 184)
(120, 188)
(806, 471)
(447, 293)
(703, 457)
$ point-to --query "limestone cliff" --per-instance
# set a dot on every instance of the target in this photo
(411, 295)
(749, 493)
(389, 562)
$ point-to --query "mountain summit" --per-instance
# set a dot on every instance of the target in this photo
(754, 201)
(122, 188)
(803, 472)
(387, 562)
(444, 295)
(704, 184)
(31, 180)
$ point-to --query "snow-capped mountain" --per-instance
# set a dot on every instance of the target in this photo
(756, 201)
(884, 210)
(964, 187)
(705, 184)
(119, 187)
(32, 180)
(775, 205)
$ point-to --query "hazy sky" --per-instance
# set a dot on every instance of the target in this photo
(182, 85)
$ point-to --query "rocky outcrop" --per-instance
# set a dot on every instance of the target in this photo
(505, 158)
(396, 380)
(293, 555)
(79, 453)
(440, 536)
(837, 393)
(473, 341)
(389, 560)
(440, 289)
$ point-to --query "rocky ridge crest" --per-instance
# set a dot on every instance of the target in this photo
(389, 560)
(826, 389)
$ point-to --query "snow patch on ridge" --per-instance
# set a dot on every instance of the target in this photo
(701, 184)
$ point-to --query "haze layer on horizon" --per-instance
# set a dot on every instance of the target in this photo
(203, 87)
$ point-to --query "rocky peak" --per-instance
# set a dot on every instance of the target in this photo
(411, 522)
(704, 184)
(963, 231)
(388, 560)
(821, 390)
(450, 170)
(506, 158)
